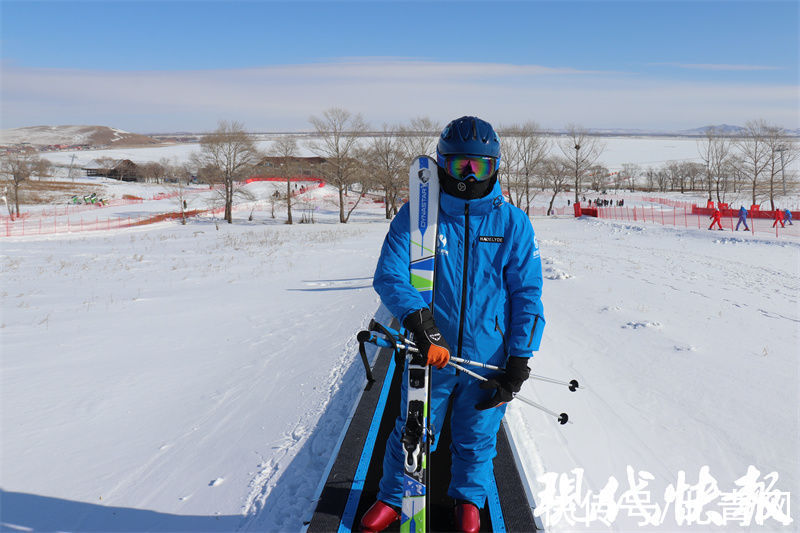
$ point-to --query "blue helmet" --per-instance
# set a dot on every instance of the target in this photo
(469, 136)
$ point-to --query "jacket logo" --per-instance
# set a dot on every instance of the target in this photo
(442, 248)
(435, 337)
(488, 238)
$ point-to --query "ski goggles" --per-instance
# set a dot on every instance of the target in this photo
(463, 167)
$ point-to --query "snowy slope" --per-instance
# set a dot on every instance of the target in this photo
(687, 343)
(72, 135)
(176, 371)
(188, 378)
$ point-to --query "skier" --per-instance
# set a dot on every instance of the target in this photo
(787, 217)
(486, 307)
(742, 219)
(717, 216)
(778, 218)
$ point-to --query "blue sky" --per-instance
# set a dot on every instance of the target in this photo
(161, 66)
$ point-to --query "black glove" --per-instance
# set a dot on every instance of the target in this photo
(429, 340)
(507, 383)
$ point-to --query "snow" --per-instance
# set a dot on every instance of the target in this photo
(177, 371)
(680, 339)
(198, 377)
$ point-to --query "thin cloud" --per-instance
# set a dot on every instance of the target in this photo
(283, 97)
(717, 66)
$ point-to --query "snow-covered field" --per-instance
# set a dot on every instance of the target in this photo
(197, 378)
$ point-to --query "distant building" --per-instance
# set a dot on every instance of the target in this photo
(125, 170)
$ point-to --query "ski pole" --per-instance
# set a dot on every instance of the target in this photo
(573, 384)
(562, 418)
(409, 346)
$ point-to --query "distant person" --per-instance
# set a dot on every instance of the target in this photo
(567, 202)
(742, 219)
(787, 216)
(716, 219)
(778, 218)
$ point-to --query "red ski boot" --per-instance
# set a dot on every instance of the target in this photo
(378, 517)
(468, 517)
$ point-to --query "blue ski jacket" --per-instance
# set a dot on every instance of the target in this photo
(488, 280)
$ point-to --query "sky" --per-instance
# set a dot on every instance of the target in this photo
(156, 66)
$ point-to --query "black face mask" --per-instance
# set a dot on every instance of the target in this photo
(466, 190)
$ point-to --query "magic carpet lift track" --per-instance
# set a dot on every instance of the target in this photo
(351, 485)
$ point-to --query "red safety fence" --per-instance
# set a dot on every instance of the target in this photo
(678, 204)
(695, 218)
(70, 209)
(751, 213)
(252, 179)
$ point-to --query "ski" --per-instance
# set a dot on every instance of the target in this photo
(423, 198)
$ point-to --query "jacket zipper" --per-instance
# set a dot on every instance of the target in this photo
(502, 335)
(533, 330)
(464, 279)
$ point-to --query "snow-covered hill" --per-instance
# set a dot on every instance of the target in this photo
(196, 378)
(73, 136)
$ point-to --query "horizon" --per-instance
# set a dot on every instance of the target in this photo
(647, 66)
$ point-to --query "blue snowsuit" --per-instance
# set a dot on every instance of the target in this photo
(787, 217)
(486, 304)
(742, 219)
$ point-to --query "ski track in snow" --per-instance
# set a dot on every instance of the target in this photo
(306, 445)
(680, 385)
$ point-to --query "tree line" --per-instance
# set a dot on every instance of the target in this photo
(353, 158)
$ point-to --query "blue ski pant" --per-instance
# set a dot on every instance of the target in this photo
(742, 221)
(474, 436)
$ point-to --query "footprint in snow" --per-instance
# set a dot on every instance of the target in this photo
(555, 273)
(685, 348)
(217, 482)
(638, 325)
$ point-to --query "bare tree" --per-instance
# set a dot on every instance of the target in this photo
(629, 174)
(525, 148)
(715, 151)
(285, 148)
(677, 179)
(599, 176)
(692, 172)
(782, 152)
(152, 172)
(42, 167)
(176, 180)
(556, 172)
(651, 178)
(226, 155)
(17, 167)
(386, 164)
(338, 132)
(581, 150)
(419, 137)
(754, 152)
